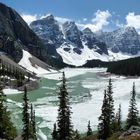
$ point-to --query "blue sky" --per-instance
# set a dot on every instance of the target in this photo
(115, 13)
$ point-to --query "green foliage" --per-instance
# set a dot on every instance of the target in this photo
(33, 124)
(110, 106)
(107, 119)
(103, 126)
(118, 122)
(76, 135)
(114, 136)
(129, 67)
(65, 128)
(7, 69)
(132, 118)
(26, 117)
(7, 129)
(89, 131)
(54, 133)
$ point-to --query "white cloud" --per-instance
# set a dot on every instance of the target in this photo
(29, 18)
(118, 24)
(100, 20)
(97, 23)
(62, 20)
(133, 20)
(59, 19)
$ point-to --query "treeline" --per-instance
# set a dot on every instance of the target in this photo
(129, 67)
(8, 72)
(13, 75)
(96, 63)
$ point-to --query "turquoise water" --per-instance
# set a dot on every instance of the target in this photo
(85, 88)
(47, 93)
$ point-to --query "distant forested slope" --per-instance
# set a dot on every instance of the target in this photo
(129, 67)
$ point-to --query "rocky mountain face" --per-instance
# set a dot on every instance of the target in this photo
(51, 32)
(48, 30)
(125, 40)
(66, 39)
(60, 44)
(93, 43)
(73, 44)
(15, 35)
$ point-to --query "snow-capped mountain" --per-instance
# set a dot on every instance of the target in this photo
(16, 38)
(125, 40)
(48, 30)
(74, 46)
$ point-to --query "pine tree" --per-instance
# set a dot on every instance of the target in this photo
(118, 119)
(26, 117)
(54, 133)
(119, 122)
(111, 107)
(65, 128)
(89, 132)
(33, 124)
(104, 122)
(132, 118)
(7, 129)
(76, 135)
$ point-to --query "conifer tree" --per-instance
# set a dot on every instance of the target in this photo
(119, 122)
(65, 128)
(118, 119)
(7, 129)
(76, 135)
(104, 125)
(26, 117)
(54, 133)
(89, 131)
(33, 124)
(132, 118)
(110, 106)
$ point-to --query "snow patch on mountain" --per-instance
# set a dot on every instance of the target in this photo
(120, 56)
(77, 46)
(73, 58)
(26, 63)
(125, 40)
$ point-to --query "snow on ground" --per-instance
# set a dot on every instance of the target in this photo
(41, 135)
(25, 62)
(70, 72)
(72, 58)
(87, 109)
(9, 91)
(120, 56)
(91, 109)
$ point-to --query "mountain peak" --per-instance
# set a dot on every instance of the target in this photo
(2, 5)
(48, 17)
(127, 29)
(87, 30)
(69, 24)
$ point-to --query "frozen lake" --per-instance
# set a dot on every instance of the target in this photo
(86, 88)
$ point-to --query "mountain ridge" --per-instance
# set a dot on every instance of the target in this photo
(16, 36)
(72, 44)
